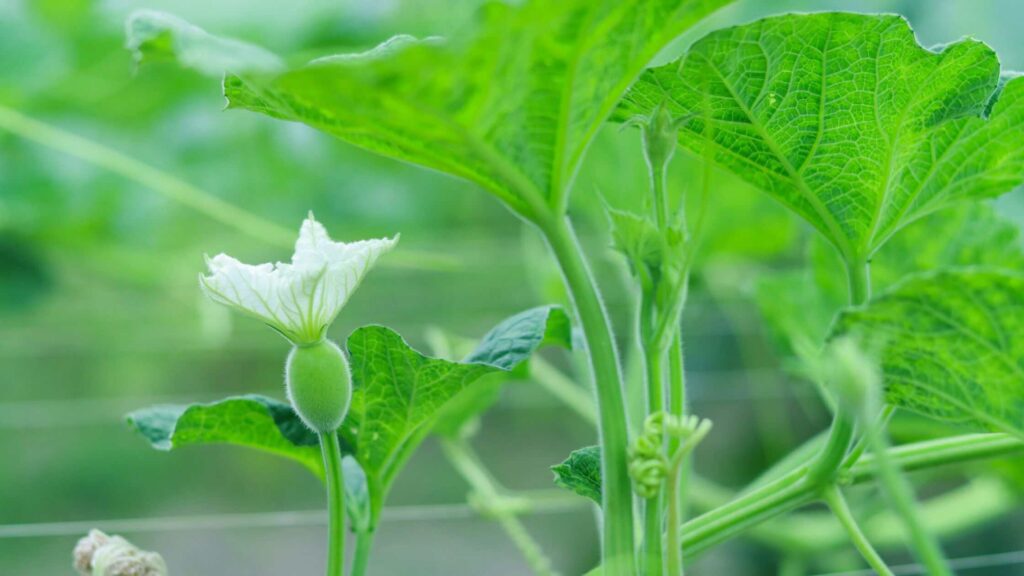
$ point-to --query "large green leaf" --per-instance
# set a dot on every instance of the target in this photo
(511, 106)
(581, 473)
(846, 119)
(952, 346)
(254, 421)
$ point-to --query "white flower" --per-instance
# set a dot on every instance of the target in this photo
(299, 300)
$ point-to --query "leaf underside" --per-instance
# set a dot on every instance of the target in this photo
(952, 346)
(846, 119)
(511, 106)
(252, 420)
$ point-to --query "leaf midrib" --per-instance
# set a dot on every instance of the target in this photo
(840, 239)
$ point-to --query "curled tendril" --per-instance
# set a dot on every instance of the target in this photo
(648, 459)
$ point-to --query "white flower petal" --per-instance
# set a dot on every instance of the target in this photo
(303, 298)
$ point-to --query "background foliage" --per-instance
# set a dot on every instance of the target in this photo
(100, 314)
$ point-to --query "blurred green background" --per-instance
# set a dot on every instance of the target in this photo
(100, 311)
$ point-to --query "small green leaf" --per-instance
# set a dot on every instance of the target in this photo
(846, 119)
(154, 36)
(637, 238)
(252, 420)
(398, 391)
(952, 346)
(516, 338)
(511, 106)
(581, 473)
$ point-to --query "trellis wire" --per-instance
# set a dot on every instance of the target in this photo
(286, 519)
(963, 563)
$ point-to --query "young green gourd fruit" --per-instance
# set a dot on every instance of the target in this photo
(319, 385)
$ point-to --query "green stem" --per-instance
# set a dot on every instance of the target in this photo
(824, 468)
(617, 497)
(901, 496)
(676, 379)
(674, 554)
(654, 376)
(834, 498)
(331, 449)
(653, 531)
(658, 176)
(858, 277)
(364, 542)
(790, 492)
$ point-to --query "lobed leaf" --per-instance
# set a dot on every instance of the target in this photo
(952, 346)
(399, 391)
(511, 106)
(846, 119)
(581, 473)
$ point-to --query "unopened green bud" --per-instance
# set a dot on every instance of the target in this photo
(319, 385)
(661, 135)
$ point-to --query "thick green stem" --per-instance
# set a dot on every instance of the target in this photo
(331, 449)
(653, 531)
(617, 497)
(676, 378)
(361, 559)
(790, 491)
(834, 498)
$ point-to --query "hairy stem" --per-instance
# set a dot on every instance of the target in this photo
(654, 376)
(617, 537)
(331, 449)
(834, 498)
(823, 469)
(674, 554)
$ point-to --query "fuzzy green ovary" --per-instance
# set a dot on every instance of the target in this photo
(319, 384)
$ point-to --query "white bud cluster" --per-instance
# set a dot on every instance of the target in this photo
(101, 555)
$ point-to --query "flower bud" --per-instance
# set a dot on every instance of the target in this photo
(100, 555)
(319, 385)
(86, 549)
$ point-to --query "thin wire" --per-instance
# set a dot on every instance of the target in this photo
(288, 519)
(965, 563)
(78, 412)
